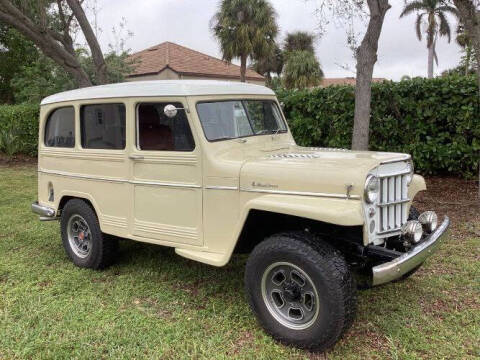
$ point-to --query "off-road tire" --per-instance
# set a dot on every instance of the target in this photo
(103, 247)
(328, 271)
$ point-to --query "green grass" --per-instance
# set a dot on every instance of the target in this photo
(154, 304)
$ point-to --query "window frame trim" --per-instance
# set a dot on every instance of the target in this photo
(81, 105)
(47, 119)
(137, 128)
(240, 100)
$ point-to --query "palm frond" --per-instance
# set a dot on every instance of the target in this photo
(418, 26)
(412, 7)
(444, 28)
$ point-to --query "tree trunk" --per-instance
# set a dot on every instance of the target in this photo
(243, 68)
(471, 19)
(46, 39)
(431, 51)
(97, 55)
(366, 59)
(467, 59)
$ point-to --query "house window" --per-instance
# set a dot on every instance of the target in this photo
(60, 128)
(103, 126)
(155, 131)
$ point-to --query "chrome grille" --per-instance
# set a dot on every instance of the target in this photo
(392, 203)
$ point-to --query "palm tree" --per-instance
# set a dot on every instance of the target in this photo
(302, 70)
(437, 24)
(271, 64)
(464, 41)
(245, 29)
(299, 40)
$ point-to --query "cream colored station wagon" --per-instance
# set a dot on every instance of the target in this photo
(211, 169)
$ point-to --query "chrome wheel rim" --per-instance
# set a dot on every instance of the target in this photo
(290, 295)
(79, 236)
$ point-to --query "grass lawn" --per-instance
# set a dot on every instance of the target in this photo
(154, 304)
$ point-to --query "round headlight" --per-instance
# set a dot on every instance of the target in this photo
(412, 231)
(429, 220)
(371, 188)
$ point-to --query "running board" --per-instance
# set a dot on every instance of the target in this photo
(209, 258)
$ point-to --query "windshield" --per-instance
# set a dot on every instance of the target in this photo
(233, 119)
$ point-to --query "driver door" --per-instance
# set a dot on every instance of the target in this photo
(167, 178)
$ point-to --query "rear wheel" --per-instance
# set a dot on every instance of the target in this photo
(82, 238)
(301, 290)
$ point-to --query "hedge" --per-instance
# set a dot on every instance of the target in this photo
(437, 121)
(21, 123)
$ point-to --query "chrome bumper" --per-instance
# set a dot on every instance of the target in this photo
(400, 266)
(46, 213)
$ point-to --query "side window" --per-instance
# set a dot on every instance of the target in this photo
(158, 132)
(103, 126)
(60, 128)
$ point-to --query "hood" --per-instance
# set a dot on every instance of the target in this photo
(311, 170)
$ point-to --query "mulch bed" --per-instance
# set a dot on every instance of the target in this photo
(457, 198)
(17, 160)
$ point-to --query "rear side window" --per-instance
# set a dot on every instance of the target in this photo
(103, 126)
(60, 128)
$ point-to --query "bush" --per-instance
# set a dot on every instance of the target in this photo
(19, 129)
(437, 121)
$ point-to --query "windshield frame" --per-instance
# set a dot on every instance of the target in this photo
(270, 100)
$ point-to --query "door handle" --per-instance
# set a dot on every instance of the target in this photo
(136, 157)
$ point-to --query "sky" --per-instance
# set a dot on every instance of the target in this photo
(186, 22)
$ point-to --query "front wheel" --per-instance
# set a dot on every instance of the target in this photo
(301, 290)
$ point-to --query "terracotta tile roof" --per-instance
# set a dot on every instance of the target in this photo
(185, 61)
(344, 81)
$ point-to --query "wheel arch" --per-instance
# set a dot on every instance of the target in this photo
(276, 213)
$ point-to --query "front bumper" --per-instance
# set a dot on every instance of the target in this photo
(46, 213)
(394, 269)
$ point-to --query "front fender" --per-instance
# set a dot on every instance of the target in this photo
(334, 211)
(417, 185)
(341, 212)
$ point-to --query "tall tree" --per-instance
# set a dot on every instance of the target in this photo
(437, 24)
(302, 70)
(271, 64)
(469, 14)
(245, 29)
(48, 24)
(15, 52)
(463, 40)
(299, 40)
(366, 56)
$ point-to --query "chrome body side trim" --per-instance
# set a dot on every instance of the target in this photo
(46, 213)
(165, 184)
(394, 269)
(301, 193)
(80, 176)
(218, 187)
(116, 180)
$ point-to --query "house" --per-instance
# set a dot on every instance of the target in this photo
(344, 81)
(170, 61)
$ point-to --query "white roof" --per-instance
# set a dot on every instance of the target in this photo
(159, 88)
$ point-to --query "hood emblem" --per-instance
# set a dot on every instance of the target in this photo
(264, 185)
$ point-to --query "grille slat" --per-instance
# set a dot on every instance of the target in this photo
(393, 202)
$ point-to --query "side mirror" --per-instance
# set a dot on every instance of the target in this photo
(170, 111)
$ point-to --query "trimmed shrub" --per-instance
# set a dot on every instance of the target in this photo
(19, 129)
(437, 121)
